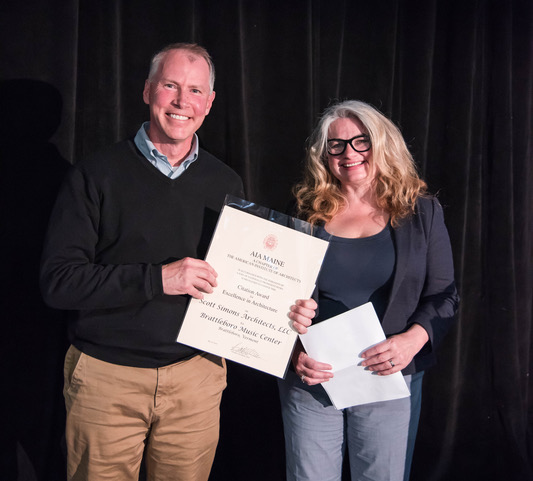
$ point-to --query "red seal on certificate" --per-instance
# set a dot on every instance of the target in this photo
(270, 242)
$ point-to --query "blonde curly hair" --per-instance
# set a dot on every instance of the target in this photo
(396, 183)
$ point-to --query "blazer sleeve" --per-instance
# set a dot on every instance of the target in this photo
(438, 300)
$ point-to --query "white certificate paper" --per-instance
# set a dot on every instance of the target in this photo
(339, 341)
(263, 268)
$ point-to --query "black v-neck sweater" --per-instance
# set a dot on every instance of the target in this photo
(116, 221)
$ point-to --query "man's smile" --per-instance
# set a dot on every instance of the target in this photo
(178, 117)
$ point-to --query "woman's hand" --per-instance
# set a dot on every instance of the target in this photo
(302, 313)
(311, 372)
(396, 352)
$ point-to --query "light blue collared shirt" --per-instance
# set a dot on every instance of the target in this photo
(160, 161)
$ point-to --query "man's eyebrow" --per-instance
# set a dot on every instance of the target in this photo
(169, 80)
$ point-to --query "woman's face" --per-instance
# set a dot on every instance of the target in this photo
(351, 168)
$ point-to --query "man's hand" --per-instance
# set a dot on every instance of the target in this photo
(188, 276)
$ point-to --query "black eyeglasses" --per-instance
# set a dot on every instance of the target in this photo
(359, 143)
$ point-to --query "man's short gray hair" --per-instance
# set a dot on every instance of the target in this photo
(192, 48)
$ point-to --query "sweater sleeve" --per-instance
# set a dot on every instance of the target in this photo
(70, 277)
(439, 300)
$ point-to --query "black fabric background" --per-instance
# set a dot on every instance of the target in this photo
(455, 75)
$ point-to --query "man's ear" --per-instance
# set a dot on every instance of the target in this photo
(146, 92)
(210, 100)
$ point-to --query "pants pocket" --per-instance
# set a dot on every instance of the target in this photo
(73, 370)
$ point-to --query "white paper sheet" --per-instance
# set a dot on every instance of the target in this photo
(339, 341)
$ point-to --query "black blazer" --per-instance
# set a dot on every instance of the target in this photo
(423, 289)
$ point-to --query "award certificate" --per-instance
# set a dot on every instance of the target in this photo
(263, 268)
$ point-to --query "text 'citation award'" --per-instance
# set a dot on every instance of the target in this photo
(263, 268)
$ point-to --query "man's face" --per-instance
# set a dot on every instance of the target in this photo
(179, 97)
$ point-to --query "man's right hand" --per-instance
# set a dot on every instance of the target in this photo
(188, 276)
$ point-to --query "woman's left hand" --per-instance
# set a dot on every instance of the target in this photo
(302, 313)
(396, 352)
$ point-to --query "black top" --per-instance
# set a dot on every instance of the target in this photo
(116, 221)
(355, 271)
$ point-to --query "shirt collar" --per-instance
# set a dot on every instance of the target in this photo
(159, 160)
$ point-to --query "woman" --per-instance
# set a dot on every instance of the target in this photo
(388, 245)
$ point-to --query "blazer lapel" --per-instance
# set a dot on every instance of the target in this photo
(402, 240)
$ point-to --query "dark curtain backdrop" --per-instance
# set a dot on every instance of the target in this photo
(455, 75)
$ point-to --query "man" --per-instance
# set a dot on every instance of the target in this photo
(123, 251)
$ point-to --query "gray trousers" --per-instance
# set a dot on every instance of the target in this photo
(379, 436)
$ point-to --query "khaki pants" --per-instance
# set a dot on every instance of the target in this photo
(115, 413)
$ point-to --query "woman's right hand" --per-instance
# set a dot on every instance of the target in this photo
(311, 372)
